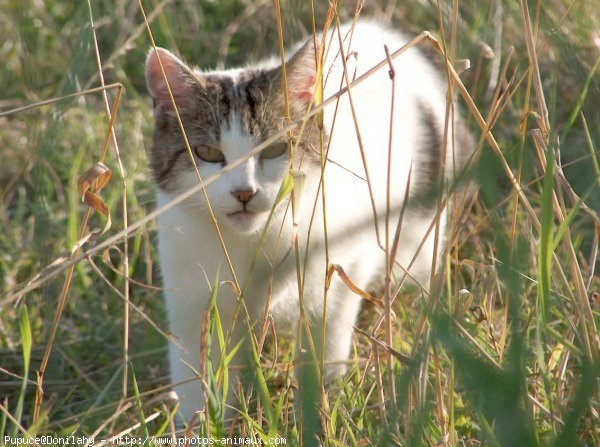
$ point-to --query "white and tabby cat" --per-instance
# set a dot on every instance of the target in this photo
(226, 114)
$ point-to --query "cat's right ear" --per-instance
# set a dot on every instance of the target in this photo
(181, 80)
(302, 74)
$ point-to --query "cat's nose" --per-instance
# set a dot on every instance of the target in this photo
(244, 196)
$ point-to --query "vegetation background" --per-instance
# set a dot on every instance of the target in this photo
(505, 352)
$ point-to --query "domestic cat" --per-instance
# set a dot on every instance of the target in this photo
(225, 115)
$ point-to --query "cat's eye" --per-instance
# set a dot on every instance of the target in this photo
(209, 154)
(274, 151)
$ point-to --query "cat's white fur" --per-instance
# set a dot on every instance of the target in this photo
(191, 256)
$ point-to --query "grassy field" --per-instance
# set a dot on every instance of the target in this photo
(504, 351)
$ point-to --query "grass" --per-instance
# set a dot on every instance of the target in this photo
(505, 350)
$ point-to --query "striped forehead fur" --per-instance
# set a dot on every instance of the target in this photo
(252, 95)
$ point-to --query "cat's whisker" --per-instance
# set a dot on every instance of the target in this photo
(197, 205)
(339, 165)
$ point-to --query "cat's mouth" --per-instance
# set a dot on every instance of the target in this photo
(245, 216)
(242, 213)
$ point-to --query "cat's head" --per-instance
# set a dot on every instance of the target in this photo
(225, 115)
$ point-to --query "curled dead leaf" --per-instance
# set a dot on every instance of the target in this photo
(90, 183)
(353, 287)
(462, 65)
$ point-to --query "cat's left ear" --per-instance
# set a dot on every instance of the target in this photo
(181, 80)
(301, 74)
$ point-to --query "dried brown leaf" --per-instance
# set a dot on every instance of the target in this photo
(91, 182)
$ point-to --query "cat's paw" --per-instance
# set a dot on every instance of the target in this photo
(333, 371)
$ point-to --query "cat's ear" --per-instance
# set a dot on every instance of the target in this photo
(301, 74)
(181, 80)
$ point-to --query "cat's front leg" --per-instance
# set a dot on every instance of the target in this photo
(339, 329)
(186, 383)
(196, 335)
(331, 330)
(187, 268)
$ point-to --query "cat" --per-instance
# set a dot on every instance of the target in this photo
(225, 115)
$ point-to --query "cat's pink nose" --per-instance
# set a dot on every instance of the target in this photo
(244, 196)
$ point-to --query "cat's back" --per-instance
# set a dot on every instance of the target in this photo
(363, 47)
(409, 109)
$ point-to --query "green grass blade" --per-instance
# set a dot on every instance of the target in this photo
(26, 342)
(286, 188)
(138, 402)
(546, 237)
(581, 98)
(562, 228)
(216, 400)
(590, 147)
(261, 382)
